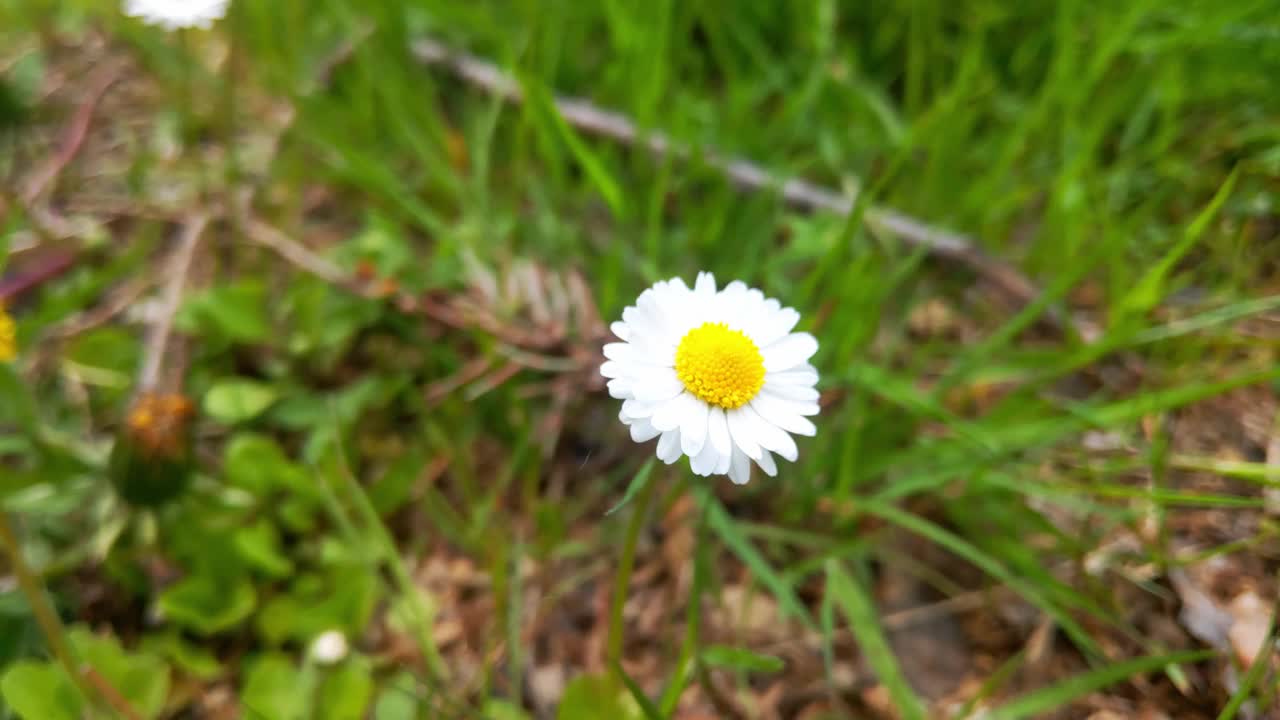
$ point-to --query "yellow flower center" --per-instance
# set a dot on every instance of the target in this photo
(721, 366)
(8, 337)
(160, 423)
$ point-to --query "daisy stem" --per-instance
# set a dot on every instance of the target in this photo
(184, 43)
(231, 68)
(188, 114)
(686, 664)
(33, 588)
(55, 633)
(613, 645)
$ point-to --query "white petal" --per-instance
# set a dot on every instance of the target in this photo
(618, 351)
(620, 388)
(770, 436)
(669, 446)
(768, 403)
(705, 462)
(642, 354)
(767, 464)
(621, 330)
(636, 410)
(780, 413)
(802, 375)
(718, 431)
(739, 468)
(646, 319)
(667, 308)
(705, 285)
(775, 325)
(722, 467)
(789, 351)
(730, 300)
(743, 433)
(792, 393)
(796, 424)
(756, 318)
(639, 374)
(657, 389)
(636, 321)
(613, 369)
(668, 414)
(643, 431)
(693, 428)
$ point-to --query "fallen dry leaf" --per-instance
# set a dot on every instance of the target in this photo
(1250, 626)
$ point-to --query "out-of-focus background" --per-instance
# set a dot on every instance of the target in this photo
(300, 415)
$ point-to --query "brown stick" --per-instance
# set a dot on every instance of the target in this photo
(73, 137)
(301, 256)
(176, 270)
(744, 174)
(113, 697)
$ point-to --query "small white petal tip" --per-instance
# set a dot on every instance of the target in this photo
(177, 14)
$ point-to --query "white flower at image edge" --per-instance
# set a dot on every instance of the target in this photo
(176, 14)
(717, 376)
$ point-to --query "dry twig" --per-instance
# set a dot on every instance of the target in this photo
(744, 174)
(176, 273)
(74, 136)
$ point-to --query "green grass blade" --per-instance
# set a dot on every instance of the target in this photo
(1251, 678)
(622, 580)
(986, 562)
(638, 481)
(591, 163)
(637, 693)
(864, 621)
(1061, 694)
(725, 526)
(1150, 289)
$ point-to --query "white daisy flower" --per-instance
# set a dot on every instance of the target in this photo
(177, 14)
(717, 376)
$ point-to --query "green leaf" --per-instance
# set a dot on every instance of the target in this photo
(740, 659)
(274, 688)
(503, 710)
(398, 699)
(864, 620)
(259, 545)
(191, 659)
(396, 486)
(107, 349)
(591, 697)
(257, 464)
(19, 632)
(346, 691)
(209, 604)
(20, 404)
(142, 678)
(237, 399)
(638, 482)
(342, 599)
(1060, 694)
(237, 312)
(39, 691)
